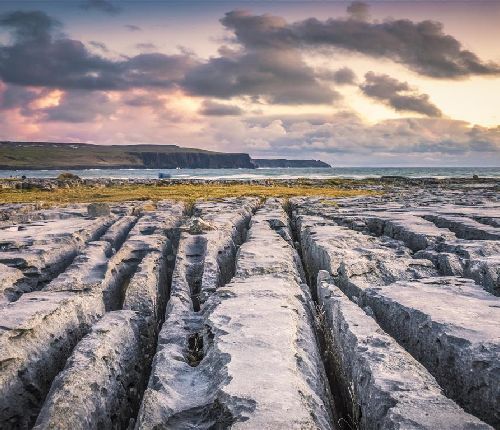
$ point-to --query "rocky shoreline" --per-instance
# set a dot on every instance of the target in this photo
(384, 181)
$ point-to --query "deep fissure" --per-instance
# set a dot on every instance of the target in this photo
(345, 412)
(40, 395)
(195, 255)
(173, 236)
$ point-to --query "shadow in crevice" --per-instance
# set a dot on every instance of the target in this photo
(196, 249)
(212, 416)
(345, 411)
(195, 352)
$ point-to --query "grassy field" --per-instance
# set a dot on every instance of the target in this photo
(185, 192)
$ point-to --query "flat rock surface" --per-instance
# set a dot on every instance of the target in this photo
(388, 386)
(373, 312)
(428, 271)
(451, 326)
(266, 294)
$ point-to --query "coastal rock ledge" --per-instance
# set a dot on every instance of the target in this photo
(311, 313)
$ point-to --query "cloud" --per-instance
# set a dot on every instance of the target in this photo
(132, 27)
(271, 75)
(276, 76)
(99, 45)
(143, 100)
(155, 70)
(359, 11)
(346, 136)
(13, 97)
(30, 27)
(67, 64)
(265, 62)
(260, 31)
(267, 73)
(79, 107)
(146, 46)
(342, 76)
(211, 108)
(423, 46)
(398, 95)
(102, 6)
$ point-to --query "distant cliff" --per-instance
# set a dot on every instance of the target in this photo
(281, 162)
(194, 160)
(72, 156)
(67, 156)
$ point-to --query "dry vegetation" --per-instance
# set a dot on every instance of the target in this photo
(185, 192)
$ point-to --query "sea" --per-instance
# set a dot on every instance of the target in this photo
(270, 173)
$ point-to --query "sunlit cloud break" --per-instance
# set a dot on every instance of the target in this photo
(357, 86)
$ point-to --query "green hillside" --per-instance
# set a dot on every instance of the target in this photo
(45, 155)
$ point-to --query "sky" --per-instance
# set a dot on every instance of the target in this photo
(383, 83)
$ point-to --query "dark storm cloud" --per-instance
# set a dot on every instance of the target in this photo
(21, 98)
(260, 31)
(78, 107)
(277, 76)
(399, 95)
(101, 5)
(67, 64)
(25, 27)
(211, 108)
(274, 73)
(265, 65)
(422, 46)
(14, 97)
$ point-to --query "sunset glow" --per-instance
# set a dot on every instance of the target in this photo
(381, 83)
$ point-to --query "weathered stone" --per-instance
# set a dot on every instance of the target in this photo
(147, 291)
(117, 233)
(12, 284)
(209, 362)
(37, 334)
(478, 260)
(197, 262)
(355, 260)
(101, 382)
(387, 387)
(86, 271)
(451, 326)
(44, 251)
(198, 226)
(488, 220)
(465, 228)
(110, 276)
(242, 344)
(98, 209)
(415, 232)
(123, 265)
(166, 217)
